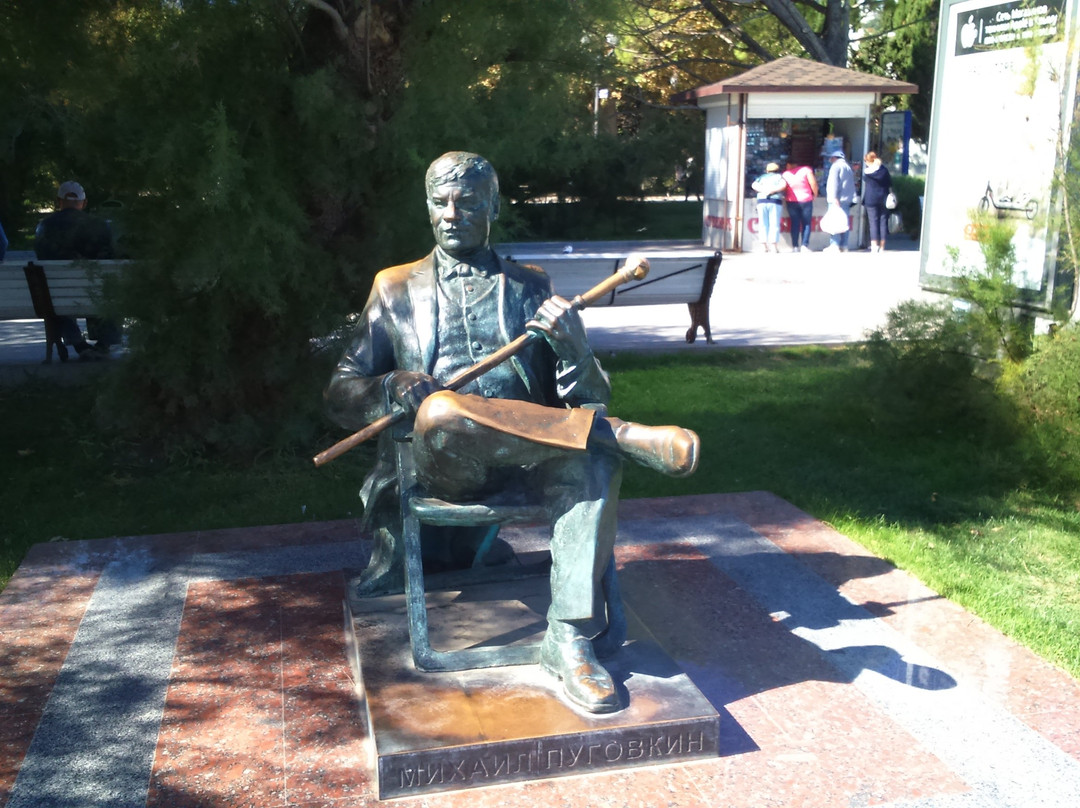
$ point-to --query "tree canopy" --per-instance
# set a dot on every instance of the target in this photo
(262, 158)
(901, 42)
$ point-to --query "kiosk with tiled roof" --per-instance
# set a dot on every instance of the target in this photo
(788, 109)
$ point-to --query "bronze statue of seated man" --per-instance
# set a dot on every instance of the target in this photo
(537, 420)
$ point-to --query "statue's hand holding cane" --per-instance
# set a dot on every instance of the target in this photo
(557, 320)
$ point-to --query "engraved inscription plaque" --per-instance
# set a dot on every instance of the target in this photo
(488, 764)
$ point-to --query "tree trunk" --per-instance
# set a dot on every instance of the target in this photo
(831, 45)
(837, 31)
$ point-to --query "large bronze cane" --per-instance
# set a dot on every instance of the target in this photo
(635, 268)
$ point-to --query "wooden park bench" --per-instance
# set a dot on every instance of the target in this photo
(51, 289)
(677, 274)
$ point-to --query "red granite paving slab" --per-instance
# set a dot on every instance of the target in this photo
(221, 739)
(1043, 696)
(95, 553)
(818, 740)
(312, 640)
(1060, 727)
(219, 748)
(87, 553)
(325, 739)
(255, 538)
(30, 660)
(230, 633)
(16, 732)
(326, 750)
(40, 611)
(44, 595)
(261, 706)
(671, 507)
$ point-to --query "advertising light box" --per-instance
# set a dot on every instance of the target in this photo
(1004, 94)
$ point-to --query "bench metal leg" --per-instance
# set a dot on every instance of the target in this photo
(699, 318)
(52, 337)
(699, 311)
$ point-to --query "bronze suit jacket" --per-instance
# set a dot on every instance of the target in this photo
(396, 331)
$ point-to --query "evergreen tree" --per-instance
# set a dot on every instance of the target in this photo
(909, 53)
(269, 158)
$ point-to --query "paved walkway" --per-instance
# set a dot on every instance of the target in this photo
(209, 669)
(759, 299)
(771, 300)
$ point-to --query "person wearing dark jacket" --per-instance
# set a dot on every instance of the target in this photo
(72, 233)
(877, 185)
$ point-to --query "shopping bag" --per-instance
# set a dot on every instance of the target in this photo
(890, 201)
(835, 220)
(896, 223)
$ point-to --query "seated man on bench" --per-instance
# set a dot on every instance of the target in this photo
(65, 235)
(537, 421)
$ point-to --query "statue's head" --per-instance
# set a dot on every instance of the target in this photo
(463, 201)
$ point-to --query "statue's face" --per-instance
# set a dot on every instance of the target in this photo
(461, 213)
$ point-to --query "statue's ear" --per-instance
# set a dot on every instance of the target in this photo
(495, 207)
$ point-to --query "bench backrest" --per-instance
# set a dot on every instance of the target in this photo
(15, 299)
(684, 277)
(72, 286)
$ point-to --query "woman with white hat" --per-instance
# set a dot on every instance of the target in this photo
(770, 188)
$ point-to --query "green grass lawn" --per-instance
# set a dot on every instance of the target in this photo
(953, 505)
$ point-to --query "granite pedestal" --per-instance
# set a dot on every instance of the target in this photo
(448, 731)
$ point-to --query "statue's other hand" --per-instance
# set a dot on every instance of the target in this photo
(560, 324)
(408, 388)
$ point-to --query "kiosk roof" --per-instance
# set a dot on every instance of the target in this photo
(794, 74)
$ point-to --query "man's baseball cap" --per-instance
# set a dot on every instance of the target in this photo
(71, 190)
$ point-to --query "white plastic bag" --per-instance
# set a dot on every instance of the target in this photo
(896, 223)
(835, 220)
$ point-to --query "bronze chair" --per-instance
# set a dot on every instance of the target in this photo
(417, 510)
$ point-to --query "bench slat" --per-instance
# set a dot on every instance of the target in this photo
(676, 274)
(72, 286)
(670, 279)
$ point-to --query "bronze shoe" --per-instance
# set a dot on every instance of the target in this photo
(572, 661)
(670, 450)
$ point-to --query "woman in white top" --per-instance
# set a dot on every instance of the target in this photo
(770, 188)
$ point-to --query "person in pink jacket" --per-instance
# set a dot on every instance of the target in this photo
(802, 188)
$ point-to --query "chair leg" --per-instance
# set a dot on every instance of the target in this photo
(485, 545)
(424, 656)
(415, 595)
